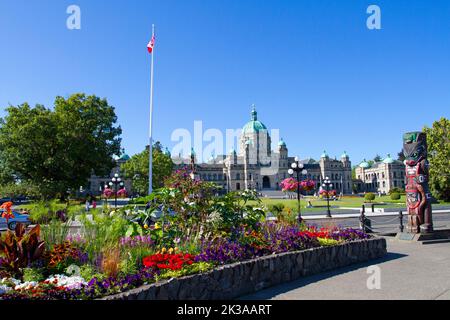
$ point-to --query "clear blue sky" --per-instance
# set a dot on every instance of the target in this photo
(313, 68)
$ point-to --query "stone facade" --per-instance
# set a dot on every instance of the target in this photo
(235, 280)
(381, 176)
(96, 184)
(257, 167)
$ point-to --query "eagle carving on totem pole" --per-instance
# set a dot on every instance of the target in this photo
(418, 195)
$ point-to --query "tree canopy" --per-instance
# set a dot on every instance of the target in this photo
(438, 140)
(60, 148)
(137, 167)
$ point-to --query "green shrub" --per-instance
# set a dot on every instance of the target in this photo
(87, 272)
(395, 196)
(141, 200)
(32, 274)
(276, 208)
(396, 190)
(369, 196)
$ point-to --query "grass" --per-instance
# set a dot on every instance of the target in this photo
(319, 205)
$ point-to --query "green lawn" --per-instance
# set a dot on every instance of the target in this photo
(345, 202)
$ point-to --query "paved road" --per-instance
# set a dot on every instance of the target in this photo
(381, 224)
(409, 271)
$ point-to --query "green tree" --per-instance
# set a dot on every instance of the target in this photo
(59, 149)
(401, 156)
(6, 174)
(438, 140)
(137, 169)
(377, 158)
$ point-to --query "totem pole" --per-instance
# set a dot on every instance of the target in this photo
(418, 195)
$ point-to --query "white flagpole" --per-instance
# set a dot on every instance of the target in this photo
(150, 172)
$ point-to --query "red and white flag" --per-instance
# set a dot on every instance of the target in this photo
(151, 44)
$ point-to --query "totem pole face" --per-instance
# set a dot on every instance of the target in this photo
(414, 147)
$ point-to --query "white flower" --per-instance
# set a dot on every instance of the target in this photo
(26, 285)
(4, 289)
(73, 282)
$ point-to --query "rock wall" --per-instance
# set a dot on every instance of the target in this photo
(237, 279)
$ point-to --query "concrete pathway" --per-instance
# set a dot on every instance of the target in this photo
(409, 271)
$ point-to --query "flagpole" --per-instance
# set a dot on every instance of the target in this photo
(150, 172)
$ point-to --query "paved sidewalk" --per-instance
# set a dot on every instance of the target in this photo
(409, 271)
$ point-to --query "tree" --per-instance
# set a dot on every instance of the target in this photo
(6, 174)
(377, 158)
(438, 140)
(400, 156)
(137, 169)
(59, 149)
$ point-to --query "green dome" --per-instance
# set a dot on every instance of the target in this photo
(324, 154)
(344, 155)
(388, 159)
(364, 164)
(125, 157)
(282, 143)
(167, 152)
(254, 126)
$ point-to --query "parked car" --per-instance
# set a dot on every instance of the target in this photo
(18, 218)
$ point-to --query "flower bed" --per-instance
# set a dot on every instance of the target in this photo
(244, 244)
(237, 279)
(117, 251)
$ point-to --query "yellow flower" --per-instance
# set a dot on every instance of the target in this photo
(157, 226)
(170, 250)
(163, 250)
(145, 226)
(176, 249)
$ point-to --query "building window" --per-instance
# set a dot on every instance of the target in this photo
(238, 186)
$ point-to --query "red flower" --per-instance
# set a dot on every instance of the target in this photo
(168, 261)
(7, 213)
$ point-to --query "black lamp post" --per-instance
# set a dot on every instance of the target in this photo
(116, 181)
(297, 167)
(328, 185)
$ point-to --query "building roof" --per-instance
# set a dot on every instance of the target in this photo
(324, 154)
(282, 143)
(388, 159)
(254, 125)
(364, 164)
(344, 155)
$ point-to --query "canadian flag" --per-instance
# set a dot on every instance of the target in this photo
(151, 44)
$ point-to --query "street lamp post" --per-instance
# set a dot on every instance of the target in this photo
(116, 181)
(297, 167)
(328, 185)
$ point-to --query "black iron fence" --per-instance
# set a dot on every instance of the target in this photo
(368, 225)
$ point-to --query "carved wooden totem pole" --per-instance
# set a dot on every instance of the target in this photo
(418, 195)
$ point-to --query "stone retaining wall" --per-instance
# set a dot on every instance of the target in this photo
(237, 279)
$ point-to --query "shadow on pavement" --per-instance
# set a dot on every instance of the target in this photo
(271, 292)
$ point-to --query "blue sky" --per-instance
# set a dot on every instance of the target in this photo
(312, 68)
